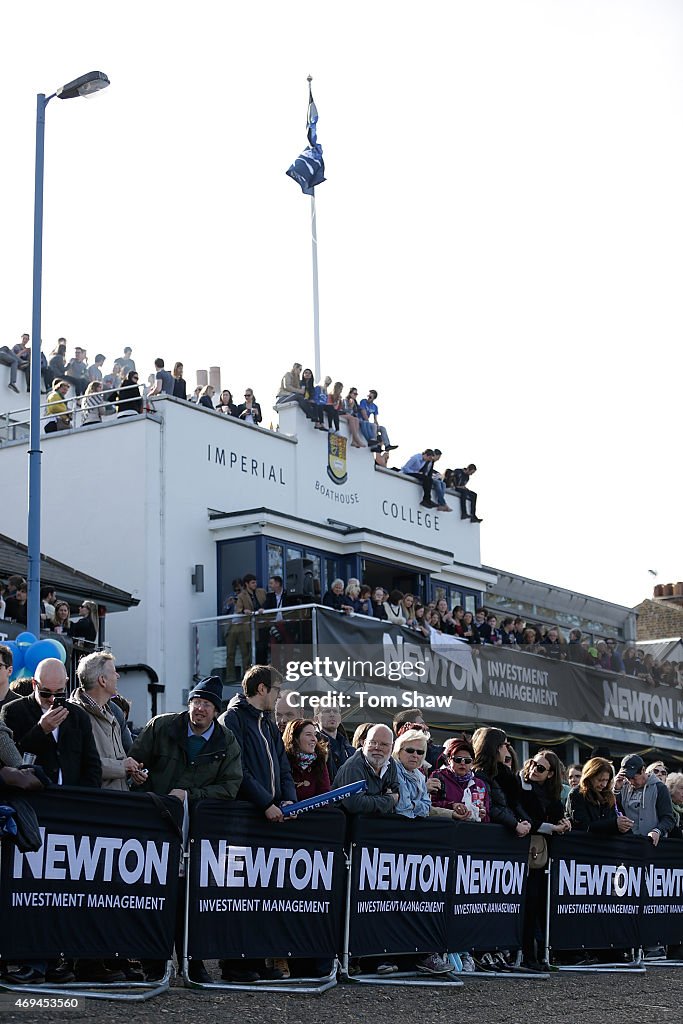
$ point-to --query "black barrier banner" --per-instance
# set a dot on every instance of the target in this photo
(596, 891)
(264, 889)
(487, 892)
(369, 661)
(104, 882)
(400, 885)
(661, 921)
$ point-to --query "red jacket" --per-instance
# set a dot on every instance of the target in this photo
(309, 782)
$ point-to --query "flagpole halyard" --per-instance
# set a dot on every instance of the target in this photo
(314, 248)
(308, 170)
(316, 305)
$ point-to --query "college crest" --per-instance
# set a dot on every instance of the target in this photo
(336, 458)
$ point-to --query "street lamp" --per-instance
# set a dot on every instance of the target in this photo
(83, 86)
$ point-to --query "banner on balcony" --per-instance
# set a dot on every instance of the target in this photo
(262, 889)
(371, 664)
(104, 882)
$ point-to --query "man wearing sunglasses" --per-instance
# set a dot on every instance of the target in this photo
(60, 737)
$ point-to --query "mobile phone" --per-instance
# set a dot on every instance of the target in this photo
(59, 702)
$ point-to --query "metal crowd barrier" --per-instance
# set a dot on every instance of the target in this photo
(345, 843)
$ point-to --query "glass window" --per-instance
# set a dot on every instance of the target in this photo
(456, 598)
(470, 603)
(331, 572)
(235, 558)
(311, 588)
(276, 563)
(439, 592)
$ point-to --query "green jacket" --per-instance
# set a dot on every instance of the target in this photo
(162, 747)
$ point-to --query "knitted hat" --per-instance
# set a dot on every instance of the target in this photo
(211, 689)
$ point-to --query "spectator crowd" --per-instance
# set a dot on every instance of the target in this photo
(260, 750)
(55, 614)
(74, 384)
(481, 627)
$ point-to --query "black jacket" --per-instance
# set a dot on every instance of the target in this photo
(377, 798)
(288, 601)
(338, 601)
(84, 629)
(340, 750)
(74, 752)
(587, 816)
(537, 810)
(128, 398)
(504, 790)
(266, 774)
(255, 411)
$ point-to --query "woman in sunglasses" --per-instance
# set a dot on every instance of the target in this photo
(466, 795)
(541, 779)
(410, 750)
(541, 790)
(490, 750)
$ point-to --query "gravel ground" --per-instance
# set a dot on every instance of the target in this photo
(563, 999)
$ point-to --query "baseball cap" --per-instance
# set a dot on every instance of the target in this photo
(631, 765)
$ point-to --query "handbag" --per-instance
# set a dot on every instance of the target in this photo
(538, 853)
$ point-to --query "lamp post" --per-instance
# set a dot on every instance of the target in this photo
(83, 86)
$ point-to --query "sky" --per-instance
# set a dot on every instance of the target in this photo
(499, 234)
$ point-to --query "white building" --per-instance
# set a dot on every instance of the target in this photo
(142, 502)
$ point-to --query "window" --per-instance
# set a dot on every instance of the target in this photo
(276, 562)
(331, 571)
(235, 558)
(311, 588)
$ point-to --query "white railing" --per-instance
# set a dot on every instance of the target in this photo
(15, 424)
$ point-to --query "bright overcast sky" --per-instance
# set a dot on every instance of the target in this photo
(499, 235)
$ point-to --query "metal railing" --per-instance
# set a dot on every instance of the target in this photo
(14, 424)
(226, 645)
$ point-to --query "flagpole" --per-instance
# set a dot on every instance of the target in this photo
(316, 306)
(316, 303)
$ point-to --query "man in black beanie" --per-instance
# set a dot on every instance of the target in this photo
(189, 755)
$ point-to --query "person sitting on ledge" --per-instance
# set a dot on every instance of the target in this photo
(421, 466)
(458, 479)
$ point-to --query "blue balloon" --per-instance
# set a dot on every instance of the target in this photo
(60, 650)
(26, 638)
(38, 652)
(17, 654)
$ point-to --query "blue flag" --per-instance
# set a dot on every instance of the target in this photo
(308, 170)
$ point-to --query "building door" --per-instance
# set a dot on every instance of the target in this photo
(392, 576)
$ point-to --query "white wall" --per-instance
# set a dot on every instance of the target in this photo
(127, 503)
